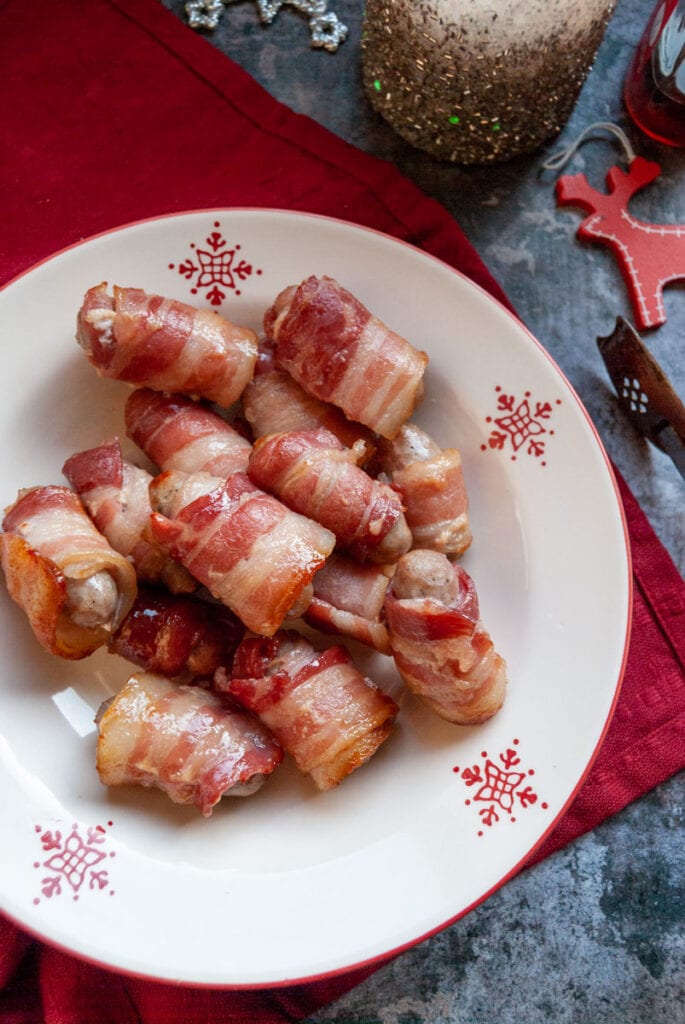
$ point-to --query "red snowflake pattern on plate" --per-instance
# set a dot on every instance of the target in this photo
(74, 860)
(215, 266)
(503, 787)
(523, 425)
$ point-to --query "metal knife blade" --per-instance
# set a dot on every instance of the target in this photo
(644, 391)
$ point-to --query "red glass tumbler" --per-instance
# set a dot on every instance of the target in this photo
(654, 90)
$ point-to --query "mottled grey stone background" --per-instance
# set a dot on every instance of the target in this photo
(595, 933)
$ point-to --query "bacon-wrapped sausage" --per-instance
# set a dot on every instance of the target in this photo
(439, 644)
(160, 343)
(177, 636)
(251, 552)
(273, 403)
(115, 494)
(176, 432)
(431, 482)
(333, 346)
(184, 740)
(348, 599)
(74, 587)
(328, 716)
(313, 473)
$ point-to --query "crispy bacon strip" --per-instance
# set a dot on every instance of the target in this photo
(439, 644)
(155, 342)
(250, 551)
(176, 432)
(183, 740)
(313, 473)
(333, 346)
(115, 494)
(274, 403)
(74, 588)
(348, 600)
(177, 636)
(328, 716)
(431, 482)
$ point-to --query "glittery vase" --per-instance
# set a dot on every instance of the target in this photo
(478, 81)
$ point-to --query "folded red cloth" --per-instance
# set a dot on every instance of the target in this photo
(113, 112)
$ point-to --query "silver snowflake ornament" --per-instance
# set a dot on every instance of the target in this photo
(325, 28)
(204, 13)
(327, 31)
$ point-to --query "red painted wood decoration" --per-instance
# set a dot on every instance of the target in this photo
(649, 255)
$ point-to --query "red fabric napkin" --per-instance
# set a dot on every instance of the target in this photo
(114, 111)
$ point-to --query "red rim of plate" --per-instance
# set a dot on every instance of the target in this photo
(380, 958)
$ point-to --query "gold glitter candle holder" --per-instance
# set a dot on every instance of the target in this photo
(478, 81)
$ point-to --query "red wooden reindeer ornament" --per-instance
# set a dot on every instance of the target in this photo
(649, 255)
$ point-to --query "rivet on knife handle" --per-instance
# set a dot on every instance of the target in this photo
(644, 391)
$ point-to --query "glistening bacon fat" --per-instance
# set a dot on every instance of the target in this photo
(313, 473)
(190, 743)
(74, 587)
(338, 351)
(115, 493)
(328, 716)
(161, 343)
(176, 432)
(441, 648)
(251, 552)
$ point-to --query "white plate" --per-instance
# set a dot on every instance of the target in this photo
(291, 884)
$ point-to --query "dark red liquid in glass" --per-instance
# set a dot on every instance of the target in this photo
(654, 90)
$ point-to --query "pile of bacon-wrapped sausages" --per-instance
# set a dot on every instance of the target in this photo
(291, 485)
